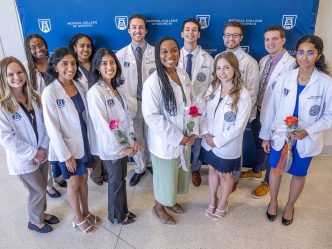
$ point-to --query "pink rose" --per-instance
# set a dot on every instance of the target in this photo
(114, 124)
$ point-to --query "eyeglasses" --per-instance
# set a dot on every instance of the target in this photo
(229, 35)
(308, 53)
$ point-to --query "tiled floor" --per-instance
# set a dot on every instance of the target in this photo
(245, 226)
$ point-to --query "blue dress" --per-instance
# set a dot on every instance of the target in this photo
(299, 166)
(59, 168)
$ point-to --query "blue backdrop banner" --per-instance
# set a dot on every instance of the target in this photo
(107, 21)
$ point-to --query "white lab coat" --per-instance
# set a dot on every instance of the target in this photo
(226, 126)
(202, 72)
(315, 111)
(62, 122)
(286, 63)
(250, 75)
(104, 106)
(165, 132)
(40, 84)
(84, 81)
(19, 140)
(126, 57)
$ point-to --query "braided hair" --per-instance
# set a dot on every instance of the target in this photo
(31, 61)
(169, 100)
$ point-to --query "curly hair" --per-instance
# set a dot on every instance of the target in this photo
(169, 100)
(235, 92)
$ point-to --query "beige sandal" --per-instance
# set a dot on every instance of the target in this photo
(89, 230)
(221, 214)
(209, 211)
(93, 219)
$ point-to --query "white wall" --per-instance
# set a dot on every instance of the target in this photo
(323, 29)
(11, 40)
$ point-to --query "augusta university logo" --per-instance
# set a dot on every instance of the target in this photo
(289, 21)
(121, 22)
(204, 20)
(44, 25)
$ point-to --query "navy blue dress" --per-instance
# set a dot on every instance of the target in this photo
(299, 166)
(59, 168)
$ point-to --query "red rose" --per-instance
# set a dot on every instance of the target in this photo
(291, 120)
(193, 111)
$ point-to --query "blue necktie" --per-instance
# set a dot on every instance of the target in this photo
(139, 57)
(189, 64)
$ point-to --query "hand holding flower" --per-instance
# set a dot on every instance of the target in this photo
(299, 134)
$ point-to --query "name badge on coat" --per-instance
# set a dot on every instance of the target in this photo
(60, 103)
(17, 117)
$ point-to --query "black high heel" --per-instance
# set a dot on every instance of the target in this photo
(286, 222)
(271, 217)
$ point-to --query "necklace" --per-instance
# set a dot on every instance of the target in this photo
(68, 87)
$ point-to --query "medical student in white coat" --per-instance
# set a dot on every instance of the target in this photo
(199, 65)
(36, 52)
(107, 105)
(233, 35)
(65, 115)
(271, 66)
(166, 93)
(82, 46)
(227, 113)
(306, 93)
(23, 135)
(138, 62)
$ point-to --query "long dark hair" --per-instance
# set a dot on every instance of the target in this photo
(318, 43)
(31, 62)
(73, 42)
(57, 56)
(94, 75)
(169, 100)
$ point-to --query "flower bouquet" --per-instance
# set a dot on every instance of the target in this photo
(121, 135)
(286, 157)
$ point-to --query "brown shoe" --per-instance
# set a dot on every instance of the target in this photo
(176, 209)
(162, 216)
(249, 174)
(196, 178)
(261, 191)
(235, 186)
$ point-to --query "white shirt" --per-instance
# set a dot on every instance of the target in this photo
(127, 60)
(165, 132)
(104, 106)
(62, 122)
(202, 68)
(314, 114)
(19, 139)
(226, 126)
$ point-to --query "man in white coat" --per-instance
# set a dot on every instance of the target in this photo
(138, 62)
(272, 65)
(233, 35)
(199, 66)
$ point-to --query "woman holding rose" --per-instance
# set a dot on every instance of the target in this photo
(305, 93)
(165, 98)
(111, 130)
